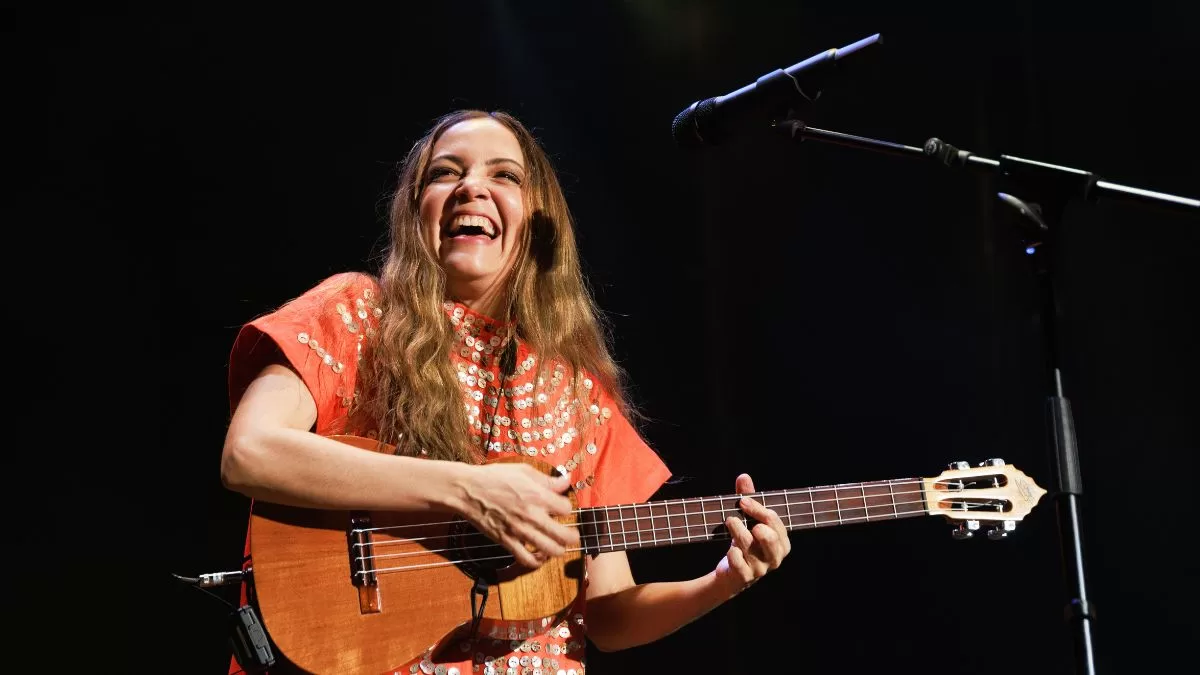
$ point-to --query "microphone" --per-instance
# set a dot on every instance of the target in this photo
(713, 120)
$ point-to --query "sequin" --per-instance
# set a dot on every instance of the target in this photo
(302, 338)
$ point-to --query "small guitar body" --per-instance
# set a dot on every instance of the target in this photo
(360, 592)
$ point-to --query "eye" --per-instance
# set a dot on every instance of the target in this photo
(509, 176)
(438, 172)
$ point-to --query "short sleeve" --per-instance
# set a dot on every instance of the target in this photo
(320, 335)
(626, 470)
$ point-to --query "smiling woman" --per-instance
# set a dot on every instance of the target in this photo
(476, 368)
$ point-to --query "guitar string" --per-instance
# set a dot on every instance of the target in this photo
(636, 517)
(717, 536)
(613, 535)
(704, 501)
(684, 501)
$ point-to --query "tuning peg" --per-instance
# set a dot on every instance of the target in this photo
(965, 530)
(1001, 530)
(958, 465)
(995, 461)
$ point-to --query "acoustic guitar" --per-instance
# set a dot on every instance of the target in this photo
(362, 592)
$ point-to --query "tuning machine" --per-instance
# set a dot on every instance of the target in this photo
(1001, 530)
(959, 466)
(994, 461)
(965, 530)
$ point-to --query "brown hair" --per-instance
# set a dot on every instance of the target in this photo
(410, 391)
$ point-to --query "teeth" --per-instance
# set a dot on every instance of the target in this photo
(460, 222)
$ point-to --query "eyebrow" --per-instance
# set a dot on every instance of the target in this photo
(491, 162)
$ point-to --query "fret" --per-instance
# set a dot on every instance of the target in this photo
(787, 504)
(645, 525)
(867, 507)
(659, 521)
(731, 507)
(807, 516)
(892, 492)
(912, 501)
(824, 505)
(610, 527)
(633, 533)
(677, 519)
(879, 500)
(694, 517)
(714, 520)
(588, 539)
(851, 507)
(773, 500)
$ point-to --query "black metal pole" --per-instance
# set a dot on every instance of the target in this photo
(1043, 192)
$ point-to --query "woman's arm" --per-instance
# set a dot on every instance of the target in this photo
(622, 614)
(270, 455)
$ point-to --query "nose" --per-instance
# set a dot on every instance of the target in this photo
(470, 187)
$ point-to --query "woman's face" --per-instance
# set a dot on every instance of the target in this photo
(472, 206)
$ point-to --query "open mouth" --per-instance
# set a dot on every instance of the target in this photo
(471, 226)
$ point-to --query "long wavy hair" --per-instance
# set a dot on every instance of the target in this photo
(410, 393)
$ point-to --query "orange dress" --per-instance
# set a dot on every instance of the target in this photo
(324, 333)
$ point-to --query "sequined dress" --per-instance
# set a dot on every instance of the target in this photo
(575, 426)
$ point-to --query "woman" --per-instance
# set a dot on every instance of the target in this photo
(478, 340)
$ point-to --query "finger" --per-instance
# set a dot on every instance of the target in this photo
(558, 484)
(558, 505)
(744, 484)
(567, 535)
(757, 511)
(768, 543)
(523, 556)
(741, 536)
(563, 535)
(737, 563)
(539, 540)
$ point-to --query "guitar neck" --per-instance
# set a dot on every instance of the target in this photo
(680, 521)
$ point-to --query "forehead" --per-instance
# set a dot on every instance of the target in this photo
(481, 138)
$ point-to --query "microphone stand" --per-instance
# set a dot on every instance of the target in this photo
(1048, 189)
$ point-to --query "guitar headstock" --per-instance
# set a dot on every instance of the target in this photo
(992, 492)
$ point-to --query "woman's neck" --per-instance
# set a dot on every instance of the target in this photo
(490, 302)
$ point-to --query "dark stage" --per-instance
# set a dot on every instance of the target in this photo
(805, 312)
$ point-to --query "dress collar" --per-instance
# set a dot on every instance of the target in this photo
(478, 325)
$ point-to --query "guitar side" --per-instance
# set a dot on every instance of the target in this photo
(363, 592)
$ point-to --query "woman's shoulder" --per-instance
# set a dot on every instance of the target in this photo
(345, 291)
(347, 284)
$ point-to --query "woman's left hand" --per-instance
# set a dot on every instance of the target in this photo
(753, 552)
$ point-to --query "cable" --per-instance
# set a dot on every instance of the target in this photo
(198, 584)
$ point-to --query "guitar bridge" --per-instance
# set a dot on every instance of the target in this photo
(362, 563)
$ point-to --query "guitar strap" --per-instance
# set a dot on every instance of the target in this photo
(479, 589)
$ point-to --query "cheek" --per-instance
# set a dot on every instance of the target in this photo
(430, 215)
(514, 214)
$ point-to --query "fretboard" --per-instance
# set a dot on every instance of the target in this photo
(681, 521)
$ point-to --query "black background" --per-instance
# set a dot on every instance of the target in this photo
(809, 313)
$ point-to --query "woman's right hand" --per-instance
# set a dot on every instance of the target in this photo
(516, 505)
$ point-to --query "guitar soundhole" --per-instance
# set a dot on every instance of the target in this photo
(476, 555)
